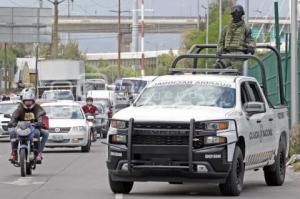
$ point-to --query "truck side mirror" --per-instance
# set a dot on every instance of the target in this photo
(254, 107)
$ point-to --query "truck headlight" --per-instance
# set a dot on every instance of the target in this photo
(212, 140)
(117, 124)
(118, 139)
(215, 126)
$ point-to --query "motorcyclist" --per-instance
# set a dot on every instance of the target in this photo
(89, 108)
(28, 110)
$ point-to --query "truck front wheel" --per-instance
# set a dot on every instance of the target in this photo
(275, 174)
(120, 187)
(234, 181)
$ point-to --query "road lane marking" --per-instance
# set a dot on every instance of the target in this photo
(24, 181)
(119, 196)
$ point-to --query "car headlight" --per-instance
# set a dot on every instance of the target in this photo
(117, 124)
(118, 139)
(212, 140)
(82, 129)
(215, 126)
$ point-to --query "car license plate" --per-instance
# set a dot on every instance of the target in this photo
(58, 138)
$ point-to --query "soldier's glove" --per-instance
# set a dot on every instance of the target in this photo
(250, 50)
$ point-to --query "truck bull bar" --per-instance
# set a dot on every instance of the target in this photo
(190, 148)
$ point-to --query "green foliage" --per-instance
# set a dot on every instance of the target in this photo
(295, 140)
(11, 57)
(163, 64)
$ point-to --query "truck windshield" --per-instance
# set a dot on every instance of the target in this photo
(63, 112)
(188, 95)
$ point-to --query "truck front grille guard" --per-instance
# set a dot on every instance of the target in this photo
(190, 146)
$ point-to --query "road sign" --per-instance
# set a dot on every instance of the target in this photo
(25, 25)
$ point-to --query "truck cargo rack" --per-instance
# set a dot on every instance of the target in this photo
(197, 48)
(204, 71)
(224, 56)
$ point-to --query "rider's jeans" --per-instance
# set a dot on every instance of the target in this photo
(44, 135)
(15, 143)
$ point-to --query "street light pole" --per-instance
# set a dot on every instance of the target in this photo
(294, 64)
(207, 28)
(119, 40)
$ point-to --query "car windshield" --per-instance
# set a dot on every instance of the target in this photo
(8, 108)
(131, 86)
(188, 95)
(103, 102)
(64, 112)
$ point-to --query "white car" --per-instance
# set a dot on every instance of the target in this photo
(67, 125)
(198, 128)
(6, 108)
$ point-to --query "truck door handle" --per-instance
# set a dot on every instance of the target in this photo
(270, 119)
(258, 121)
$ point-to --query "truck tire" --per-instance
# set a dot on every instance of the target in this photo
(234, 181)
(120, 187)
(275, 174)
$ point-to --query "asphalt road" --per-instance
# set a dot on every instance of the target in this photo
(70, 174)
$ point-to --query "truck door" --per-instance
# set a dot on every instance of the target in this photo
(265, 123)
(250, 127)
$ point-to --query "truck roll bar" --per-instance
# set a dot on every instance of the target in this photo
(224, 56)
(197, 48)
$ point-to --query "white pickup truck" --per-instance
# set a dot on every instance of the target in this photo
(198, 128)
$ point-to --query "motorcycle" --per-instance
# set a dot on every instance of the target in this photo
(27, 158)
(91, 122)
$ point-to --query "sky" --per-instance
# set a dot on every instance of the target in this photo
(107, 42)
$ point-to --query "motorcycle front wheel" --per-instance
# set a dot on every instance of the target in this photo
(23, 162)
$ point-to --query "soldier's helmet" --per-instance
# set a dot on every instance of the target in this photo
(238, 9)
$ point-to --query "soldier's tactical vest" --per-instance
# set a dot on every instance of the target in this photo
(235, 37)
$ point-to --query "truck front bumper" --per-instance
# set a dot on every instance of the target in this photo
(207, 166)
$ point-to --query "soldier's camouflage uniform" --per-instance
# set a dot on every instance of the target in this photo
(235, 39)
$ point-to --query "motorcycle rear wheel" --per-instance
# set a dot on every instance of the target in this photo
(23, 162)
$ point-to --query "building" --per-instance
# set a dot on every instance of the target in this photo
(128, 59)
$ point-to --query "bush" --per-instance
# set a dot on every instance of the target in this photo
(295, 140)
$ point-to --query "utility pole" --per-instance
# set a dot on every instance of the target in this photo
(5, 68)
(54, 47)
(119, 40)
(135, 26)
(198, 14)
(294, 63)
(142, 38)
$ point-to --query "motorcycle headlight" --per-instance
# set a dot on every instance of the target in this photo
(212, 140)
(117, 124)
(79, 129)
(215, 126)
(118, 139)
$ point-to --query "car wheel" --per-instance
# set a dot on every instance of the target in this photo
(87, 147)
(120, 187)
(275, 174)
(234, 181)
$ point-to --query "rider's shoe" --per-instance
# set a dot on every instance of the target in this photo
(13, 156)
(39, 158)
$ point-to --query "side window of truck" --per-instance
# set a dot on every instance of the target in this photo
(255, 92)
(245, 97)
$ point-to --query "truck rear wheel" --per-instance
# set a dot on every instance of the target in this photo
(234, 181)
(120, 187)
(275, 174)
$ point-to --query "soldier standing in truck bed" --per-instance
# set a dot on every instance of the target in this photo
(236, 38)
